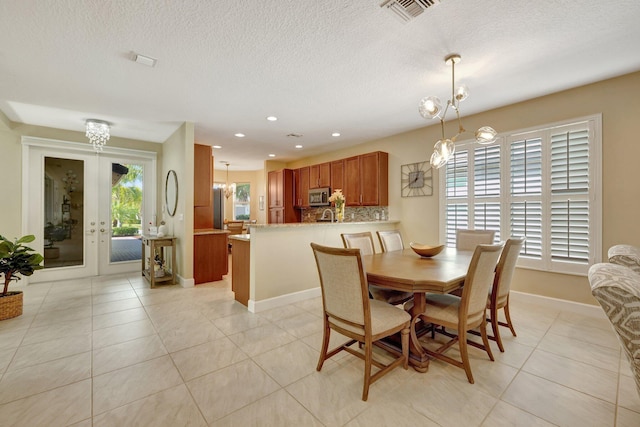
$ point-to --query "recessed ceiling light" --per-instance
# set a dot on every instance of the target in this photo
(239, 135)
(272, 118)
(217, 146)
(298, 146)
(335, 134)
(272, 155)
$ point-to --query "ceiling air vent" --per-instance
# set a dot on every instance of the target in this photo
(406, 10)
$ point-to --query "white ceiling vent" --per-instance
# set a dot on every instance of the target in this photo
(406, 10)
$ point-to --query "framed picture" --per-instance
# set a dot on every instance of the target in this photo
(261, 203)
(66, 207)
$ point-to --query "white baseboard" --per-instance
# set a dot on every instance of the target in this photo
(186, 283)
(257, 306)
(560, 304)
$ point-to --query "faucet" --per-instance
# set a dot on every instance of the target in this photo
(324, 212)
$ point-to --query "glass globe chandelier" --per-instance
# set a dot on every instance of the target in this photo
(228, 189)
(431, 108)
(98, 133)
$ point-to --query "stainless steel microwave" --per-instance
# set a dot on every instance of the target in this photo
(319, 197)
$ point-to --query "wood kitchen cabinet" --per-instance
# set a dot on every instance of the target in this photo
(202, 187)
(337, 175)
(302, 187)
(281, 193)
(320, 175)
(210, 255)
(366, 179)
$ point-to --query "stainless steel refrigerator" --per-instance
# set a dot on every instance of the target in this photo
(218, 208)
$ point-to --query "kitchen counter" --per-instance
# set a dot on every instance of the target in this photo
(324, 223)
(205, 231)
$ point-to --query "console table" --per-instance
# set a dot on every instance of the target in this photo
(158, 247)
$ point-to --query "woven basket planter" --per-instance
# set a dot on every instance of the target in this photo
(11, 305)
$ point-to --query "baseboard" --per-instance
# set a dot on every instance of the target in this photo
(275, 302)
(186, 283)
(559, 304)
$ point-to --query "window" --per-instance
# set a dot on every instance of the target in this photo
(242, 202)
(542, 183)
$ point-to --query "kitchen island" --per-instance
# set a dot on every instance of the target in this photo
(281, 267)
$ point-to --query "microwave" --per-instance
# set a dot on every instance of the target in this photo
(319, 197)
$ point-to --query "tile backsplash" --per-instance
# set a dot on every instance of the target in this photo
(351, 213)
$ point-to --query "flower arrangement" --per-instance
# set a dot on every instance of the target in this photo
(339, 200)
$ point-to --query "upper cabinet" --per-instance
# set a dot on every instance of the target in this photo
(302, 186)
(320, 175)
(337, 175)
(203, 175)
(366, 179)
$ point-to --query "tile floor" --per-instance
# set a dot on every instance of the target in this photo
(112, 352)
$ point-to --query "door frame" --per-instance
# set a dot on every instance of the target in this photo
(60, 147)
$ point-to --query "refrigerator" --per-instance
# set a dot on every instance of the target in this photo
(218, 208)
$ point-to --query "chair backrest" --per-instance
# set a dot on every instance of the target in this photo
(506, 267)
(626, 255)
(617, 289)
(235, 227)
(467, 240)
(362, 241)
(345, 295)
(478, 282)
(390, 240)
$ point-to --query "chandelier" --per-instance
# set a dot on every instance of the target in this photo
(70, 179)
(228, 189)
(431, 108)
(98, 133)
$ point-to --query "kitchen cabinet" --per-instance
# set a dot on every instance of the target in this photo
(302, 187)
(337, 175)
(210, 255)
(320, 175)
(202, 187)
(281, 193)
(366, 179)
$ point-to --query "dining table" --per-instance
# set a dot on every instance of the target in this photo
(407, 271)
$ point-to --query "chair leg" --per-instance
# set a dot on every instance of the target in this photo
(464, 354)
(368, 354)
(405, 347)
(508, 317)
(495, 329)
(485, 340)
(325, 344)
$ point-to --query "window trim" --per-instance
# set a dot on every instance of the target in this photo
(594, 126)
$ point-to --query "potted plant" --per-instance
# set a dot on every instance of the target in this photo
(15, 260)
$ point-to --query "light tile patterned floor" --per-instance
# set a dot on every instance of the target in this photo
(112, 352)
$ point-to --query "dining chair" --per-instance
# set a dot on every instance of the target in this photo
(462, 313)
(390, 240)
(348, 310)
(467, 240)
(499, 294)
(626, 255)
(364, 242)
(617, 290)
(234, 227)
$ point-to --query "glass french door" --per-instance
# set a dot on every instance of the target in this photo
(87, 211)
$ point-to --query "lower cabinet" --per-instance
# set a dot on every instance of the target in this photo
(240, 268)
(210, 255)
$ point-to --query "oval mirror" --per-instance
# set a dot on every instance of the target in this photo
(171, 192)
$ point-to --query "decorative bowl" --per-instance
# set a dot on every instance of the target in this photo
(426, 250)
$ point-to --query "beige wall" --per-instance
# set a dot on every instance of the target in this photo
(178, 156)
(254, 178)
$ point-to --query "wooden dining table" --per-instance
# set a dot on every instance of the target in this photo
(407, 271)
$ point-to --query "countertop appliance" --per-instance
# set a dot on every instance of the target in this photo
(319, 196)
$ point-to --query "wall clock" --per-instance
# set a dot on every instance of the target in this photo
(416, 179)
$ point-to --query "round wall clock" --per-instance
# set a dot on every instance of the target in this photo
(416, 179)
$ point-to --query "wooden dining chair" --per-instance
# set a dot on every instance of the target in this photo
(462, 313)
(364, 242)
(499, 295)
(467, 240)
(348, 310)
(390, 240)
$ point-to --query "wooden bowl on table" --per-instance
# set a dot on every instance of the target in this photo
(426, 250)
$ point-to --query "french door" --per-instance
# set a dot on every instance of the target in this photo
(87, 210)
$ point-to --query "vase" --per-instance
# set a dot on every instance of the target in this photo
(340, 213)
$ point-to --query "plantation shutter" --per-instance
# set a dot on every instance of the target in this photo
(570, 190)
(457, 191)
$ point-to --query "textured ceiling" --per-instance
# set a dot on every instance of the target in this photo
(319, 66)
